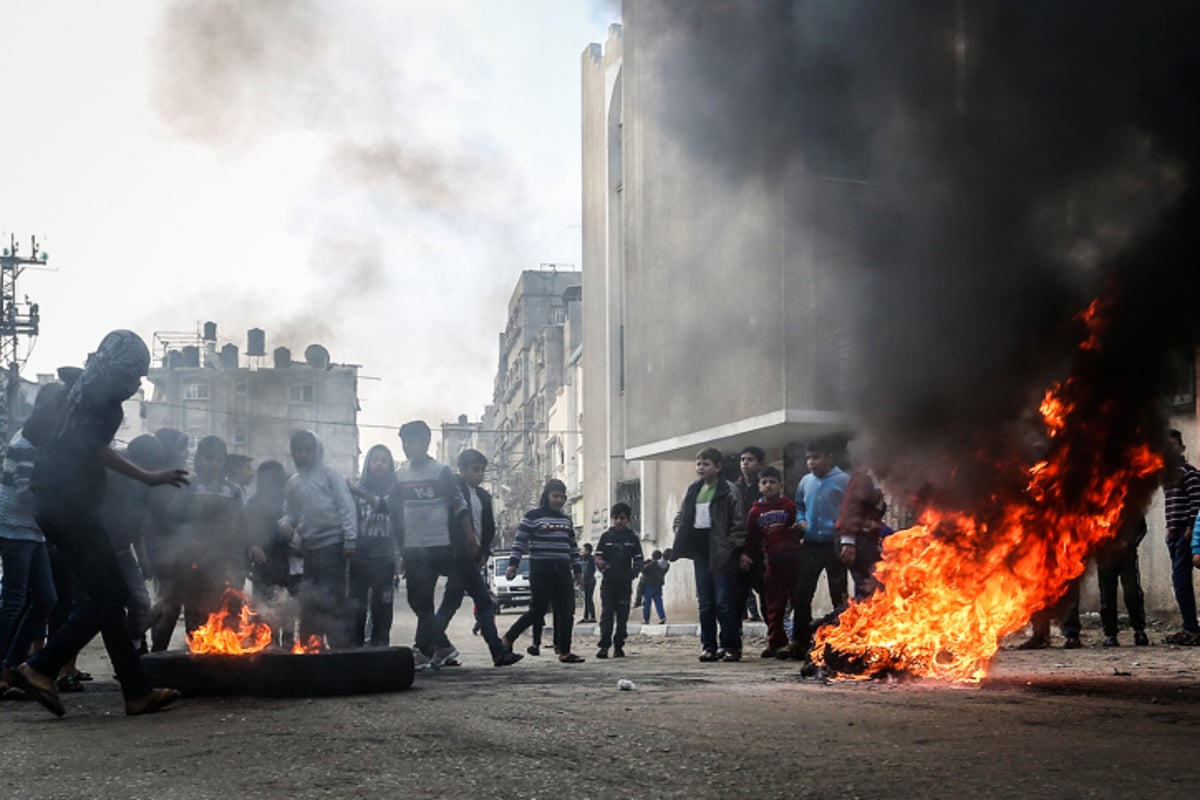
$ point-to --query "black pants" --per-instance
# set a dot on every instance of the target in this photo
(371, 590)
(81, 540)
(1066, 610)
(1122, 567)
(465, 579)
(589, 604)
(552, 587)
(815, 558)
(614, 603)
(422, 566)
(323, 596)
(750, 583)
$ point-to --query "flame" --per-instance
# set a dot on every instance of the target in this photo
(313, 646)
(958, 581)
(230, 633)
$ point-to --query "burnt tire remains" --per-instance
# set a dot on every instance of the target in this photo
(278, 674)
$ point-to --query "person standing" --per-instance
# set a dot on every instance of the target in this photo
(771, 533)
(619, 558)
(711, 531)
(432, 522)
(654, 575)
(68, 486)
(751, 581)
(1181, 488)
(589, 583)
(818, 501)
(547, 536)
(373, 566)
(271, 553)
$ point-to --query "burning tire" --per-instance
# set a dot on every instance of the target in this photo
(360, 671)
(202, 675)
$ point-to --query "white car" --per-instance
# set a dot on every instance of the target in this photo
(508, 593)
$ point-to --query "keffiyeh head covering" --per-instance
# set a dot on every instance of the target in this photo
(121, 359)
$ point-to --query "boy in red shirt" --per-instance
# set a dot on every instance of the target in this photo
(769, 530)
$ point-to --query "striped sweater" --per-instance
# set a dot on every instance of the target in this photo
(546, 535)
(1182, 500)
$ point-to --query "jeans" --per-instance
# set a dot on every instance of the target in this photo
(466, 579)
(614, 603)
(589, 602)
(1123, 567)
(371, 590)
(815, 558)
(652, 594)
(80, 537)
(1181, 581)
(323, 596)
(137, 613)
(27, 597)
(716, 594)
(552, 586)
(422, 566)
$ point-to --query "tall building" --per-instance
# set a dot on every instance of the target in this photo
(254, 404)
(532, 358)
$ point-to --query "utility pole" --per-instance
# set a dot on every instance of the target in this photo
(18, 320)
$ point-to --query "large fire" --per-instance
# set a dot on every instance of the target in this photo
(958, 581)
(233, 630)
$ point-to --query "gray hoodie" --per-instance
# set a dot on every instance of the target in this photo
(319, 506)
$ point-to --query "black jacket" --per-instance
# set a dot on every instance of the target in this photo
(726, 537)
(487, 518)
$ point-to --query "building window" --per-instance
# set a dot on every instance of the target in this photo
(195, 391)
(300, 393)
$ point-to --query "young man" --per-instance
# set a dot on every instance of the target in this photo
(434, 528)
(466, 577)
(619, 559)
(818, 500)
(771, 533)
(1181, 487)
(239, 469)
(589, 582)
(711, 530)
(750, 581)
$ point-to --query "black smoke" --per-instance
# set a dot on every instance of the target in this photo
(991, 166)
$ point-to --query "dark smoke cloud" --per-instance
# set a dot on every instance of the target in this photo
(1015, 162)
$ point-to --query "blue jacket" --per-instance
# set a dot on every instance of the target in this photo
(818, 501)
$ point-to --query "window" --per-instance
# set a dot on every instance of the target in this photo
(195, 391)
(300, 393)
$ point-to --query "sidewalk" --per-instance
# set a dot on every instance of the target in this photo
(670, 629)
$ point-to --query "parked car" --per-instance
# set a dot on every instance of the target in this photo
(508, 593)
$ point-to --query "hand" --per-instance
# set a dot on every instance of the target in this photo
(578, 581)
(745, 562)
(169, 477)
(257, 555)
(847, 554)
(1196, 560)
(510, 573)
(471, 547)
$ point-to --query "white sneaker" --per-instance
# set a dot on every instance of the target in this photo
(446, 656)
(423, 663)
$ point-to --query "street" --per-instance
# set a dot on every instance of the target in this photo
(1048, 723)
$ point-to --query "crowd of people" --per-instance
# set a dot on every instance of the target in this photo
(125, 542)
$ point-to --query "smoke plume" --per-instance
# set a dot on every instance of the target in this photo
(991, 167)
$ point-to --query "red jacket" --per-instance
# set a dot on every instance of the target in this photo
(862, 509)
(769, 529)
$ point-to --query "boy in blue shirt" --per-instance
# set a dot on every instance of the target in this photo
(818, 501)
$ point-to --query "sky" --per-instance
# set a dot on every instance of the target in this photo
(370, 176)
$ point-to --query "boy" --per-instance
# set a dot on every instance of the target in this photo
(465, 576)
(818, 502)
(654, 575)
(711, 530)
(589, 583)
(619, 558)
(319, 509)
(770, 532)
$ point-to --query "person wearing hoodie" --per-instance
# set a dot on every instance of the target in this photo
(319, 511)
(373, 567)
(68, 485)
(710, 530)
(271, 553)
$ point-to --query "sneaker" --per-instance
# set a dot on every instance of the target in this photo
(798, 651)
(1034, 642)
(1110, 641)
(446, 657)
(720, 653)
(422, 662)
(507, 659)
(732, 655)
(1072, 643)
(1141, 639)
(768, 653)
(783, 654)
(533, 650)
(618, 652)
(602, 652)
(709, 655)
(662, 621)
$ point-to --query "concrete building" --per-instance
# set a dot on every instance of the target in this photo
(529, 374)
(564, 444)
(712, 305)
(253, 404)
